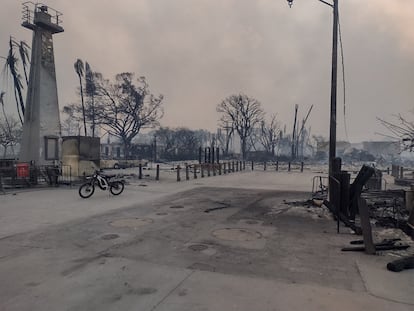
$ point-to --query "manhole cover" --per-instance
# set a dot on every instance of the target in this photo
(110, 236)
(198, 247)
(176, 206)
(236, 234)
(131, 222)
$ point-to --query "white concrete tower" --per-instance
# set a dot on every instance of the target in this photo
(41, 129)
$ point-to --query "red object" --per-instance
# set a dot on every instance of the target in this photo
(22, 169)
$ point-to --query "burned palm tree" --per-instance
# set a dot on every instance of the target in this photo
(24, 56)
(11, 66)
(90, 90)
(79, 68)
(7, 131)
(4, 111)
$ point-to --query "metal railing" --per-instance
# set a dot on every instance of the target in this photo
(12, 177)
(29, 9)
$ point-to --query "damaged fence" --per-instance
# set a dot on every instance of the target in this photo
(24, 175)
(363, 203)
(188, 171)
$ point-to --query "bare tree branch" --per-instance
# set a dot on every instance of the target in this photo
(244, 114)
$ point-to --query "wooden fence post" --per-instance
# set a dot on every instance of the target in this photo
(178, 173)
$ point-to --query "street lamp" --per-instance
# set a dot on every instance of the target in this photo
(332, 125)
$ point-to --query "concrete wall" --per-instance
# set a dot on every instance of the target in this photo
(81, 153)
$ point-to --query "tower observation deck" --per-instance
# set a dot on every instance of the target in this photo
(38, 14)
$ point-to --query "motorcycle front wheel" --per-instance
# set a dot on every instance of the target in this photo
(86, 190)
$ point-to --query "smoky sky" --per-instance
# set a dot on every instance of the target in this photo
(198, 52)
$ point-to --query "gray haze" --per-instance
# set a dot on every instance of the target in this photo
(197, 52)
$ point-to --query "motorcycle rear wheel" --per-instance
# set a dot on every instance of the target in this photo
(116, 187)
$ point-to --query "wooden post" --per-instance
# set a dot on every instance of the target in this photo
(301, 167)
(219, 167)
(187, 172)
(244, 165)
(289, 166)
(214, 168)
(195, 171)
(178, 173)
(344, 179)
(237, 166)
(264, 165)
(252, 165)
(277, 166)
(366, 226)
(232, 166)
(224, 168)
(401, 172)
(202, 170)
(208, 169)
(140, 171)
(1, 186)
(157, 177)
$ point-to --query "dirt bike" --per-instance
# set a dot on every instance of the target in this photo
(104, 182)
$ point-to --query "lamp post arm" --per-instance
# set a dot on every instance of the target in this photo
(327, 3)
(290, 2)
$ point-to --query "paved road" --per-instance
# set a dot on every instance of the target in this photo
(200, 246)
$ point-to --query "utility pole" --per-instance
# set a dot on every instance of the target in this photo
(332, 124)
(294, 134)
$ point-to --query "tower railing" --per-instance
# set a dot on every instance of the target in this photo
(30, 8)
